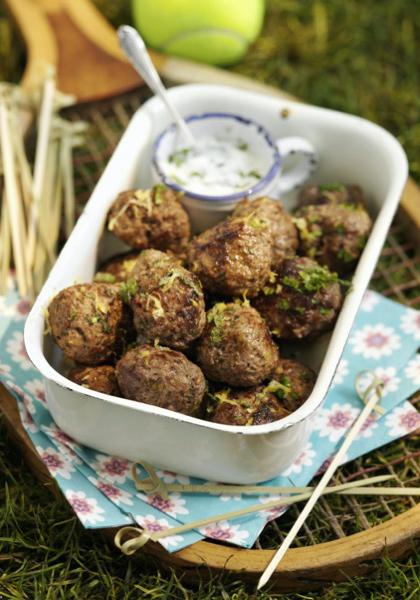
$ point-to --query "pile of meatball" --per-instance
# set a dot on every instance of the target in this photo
(200, 325)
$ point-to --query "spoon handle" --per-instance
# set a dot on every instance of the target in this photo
(136, 51)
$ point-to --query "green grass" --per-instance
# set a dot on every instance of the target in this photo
(46, 555)
(359, 57)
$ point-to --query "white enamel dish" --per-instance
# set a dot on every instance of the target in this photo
(351, 150)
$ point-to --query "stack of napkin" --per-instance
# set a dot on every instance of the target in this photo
(101, 490)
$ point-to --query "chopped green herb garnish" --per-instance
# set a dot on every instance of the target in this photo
(351, 207)
(332, 187)
(281, 388)
(361, 242)
(283, 304)
(304, 233)
(256, 222)
(216, 317)
(168, 280)
(179, 156)
(345, 256)
(241, 145)
(177, 179)
(252, 173)
(103, 277)
(311, 279)
(325, 311)
(159, 190)
(128, 290)
(299, 309)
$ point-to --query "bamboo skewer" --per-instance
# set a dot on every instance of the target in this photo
(46, 230)
(13, 200)
(139, 537)
(68, 180)
(17, 105)
(373, 395)
(44, 132)
(32, 204)
(154, 485)
(5, 246)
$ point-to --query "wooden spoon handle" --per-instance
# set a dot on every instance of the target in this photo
(39, 38)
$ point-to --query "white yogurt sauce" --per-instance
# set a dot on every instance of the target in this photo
(215, 166)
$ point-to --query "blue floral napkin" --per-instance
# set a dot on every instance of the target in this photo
(100, 488)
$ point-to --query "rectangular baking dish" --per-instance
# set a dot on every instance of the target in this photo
(351, 150)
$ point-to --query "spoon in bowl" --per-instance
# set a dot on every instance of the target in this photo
(135, 49)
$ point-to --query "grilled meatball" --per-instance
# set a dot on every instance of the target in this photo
(233, 258)
(331, 193)
(292, 383)
(284, 237)
(303, 301)
(333, 234)
(89, 322)
(101, 378)
(251, 406)
(168, 303)
(151, 218)
(161, 377)
(236, 347)
(117, 268)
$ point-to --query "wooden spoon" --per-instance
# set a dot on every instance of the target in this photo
(73, 36)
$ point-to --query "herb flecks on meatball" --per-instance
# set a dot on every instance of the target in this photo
(284, 237)
(101, 378)
(167, 301)
(151, 218)
(89, 322)
(162, 377)
(333, 234)
(292, 383)
(252, 406)
(331, 193)
(236, 347)
(116, 269)
(303, 300)
(234, 257)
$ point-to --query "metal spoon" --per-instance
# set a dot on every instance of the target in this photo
(136, 51)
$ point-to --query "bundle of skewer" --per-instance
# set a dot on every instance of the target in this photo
(37, 196)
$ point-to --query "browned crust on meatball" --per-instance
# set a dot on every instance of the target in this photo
(251, 406)
(284, 237)
(161, 377)
(333, 234)
(233, 258)
(101, 379)
(236, 347)
(89, 322)
(303, 301)
(331, 193)
(168, 304)
(151, 218)
(295, 380)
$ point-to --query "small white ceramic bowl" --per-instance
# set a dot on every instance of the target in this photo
(352, 150)
(205, 210)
